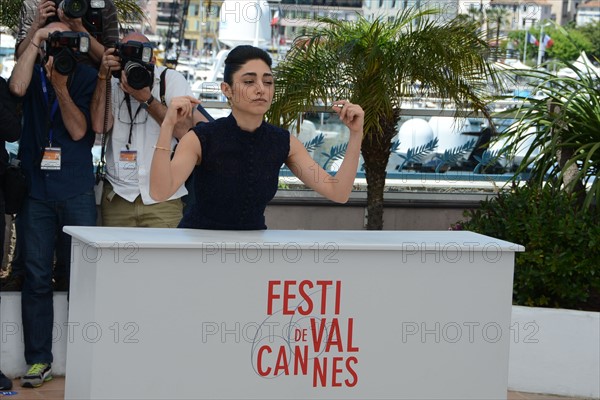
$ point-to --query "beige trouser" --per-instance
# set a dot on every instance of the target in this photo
(116, 211)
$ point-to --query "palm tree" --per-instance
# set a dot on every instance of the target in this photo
(128, 10)
(560, 131)
(375, 64)
(499, 16)
(9, 12)
(475, 13)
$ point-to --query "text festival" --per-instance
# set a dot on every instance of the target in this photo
(319, 343)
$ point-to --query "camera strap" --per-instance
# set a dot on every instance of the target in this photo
(101, 167)
(51, 110)
(132, 118)
(163, 84)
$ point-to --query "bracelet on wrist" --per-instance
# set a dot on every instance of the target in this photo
(162, 148)
(102, 78)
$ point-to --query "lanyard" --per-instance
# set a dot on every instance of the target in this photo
(51, 111)
(132, 118)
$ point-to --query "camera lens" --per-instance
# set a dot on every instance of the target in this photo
(64, 61)
(74, 8)
(138, 77)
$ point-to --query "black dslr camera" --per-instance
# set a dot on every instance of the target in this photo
(135, 61)
(72, 8)
(90, 12)
(65, 47)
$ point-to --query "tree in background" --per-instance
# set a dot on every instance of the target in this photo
(592, 33)
(499, 17)
(560, 130)
(128, 10)
(568, 43)
(376, 64)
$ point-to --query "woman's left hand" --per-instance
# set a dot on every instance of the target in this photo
(352, 115)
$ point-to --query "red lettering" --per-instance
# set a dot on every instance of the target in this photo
(300, 298)
(320, 372)
(351, 383)
(301, 360)
(300, 335)
(336, 371)
(334, 337)
(282, 362)
(324, 285)
(306, 297)
(317, 339)
(350, 348)
(287, 296)
(338, 296)
(272, 296)
(262, 372)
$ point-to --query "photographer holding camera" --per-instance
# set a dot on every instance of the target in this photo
(139, 92)
(98, 18)
(55, 153)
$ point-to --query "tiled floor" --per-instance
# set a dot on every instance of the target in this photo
(55, 390)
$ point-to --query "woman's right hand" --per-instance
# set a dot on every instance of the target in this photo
(179, 109)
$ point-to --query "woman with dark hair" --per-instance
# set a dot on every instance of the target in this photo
(10, 131)
(236, 160)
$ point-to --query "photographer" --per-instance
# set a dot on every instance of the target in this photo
(10, 130)
(135, 116)
(55, 151)
(101, 23)
(99, 19)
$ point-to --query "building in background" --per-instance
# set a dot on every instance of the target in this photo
(524, 14)
(588, 13)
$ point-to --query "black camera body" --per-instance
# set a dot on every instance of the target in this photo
(65, 47)
(71, 8)
(135, 61)
(90, 11)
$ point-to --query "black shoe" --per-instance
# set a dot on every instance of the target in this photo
(5, 383)
(14, 283)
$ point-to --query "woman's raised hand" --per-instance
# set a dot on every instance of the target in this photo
(352, 115)
(180, 108)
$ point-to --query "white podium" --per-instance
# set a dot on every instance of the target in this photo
(197, 314)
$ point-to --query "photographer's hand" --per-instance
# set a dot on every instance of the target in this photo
(45, 10)
(73, 118)
(21, 74)
(109, 64)
(140, 95)
(58, 81)
(76, 25)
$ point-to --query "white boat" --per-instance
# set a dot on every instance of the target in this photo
(245, 23)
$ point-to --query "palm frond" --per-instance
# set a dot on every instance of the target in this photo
(451, 156)
(315, 142)
(488, 158)
(416, 154)
(335, 153)
(566, 121)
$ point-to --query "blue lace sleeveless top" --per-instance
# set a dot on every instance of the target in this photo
(238, 175)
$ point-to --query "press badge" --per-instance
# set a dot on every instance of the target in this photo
(51, 159)
(128, 159)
